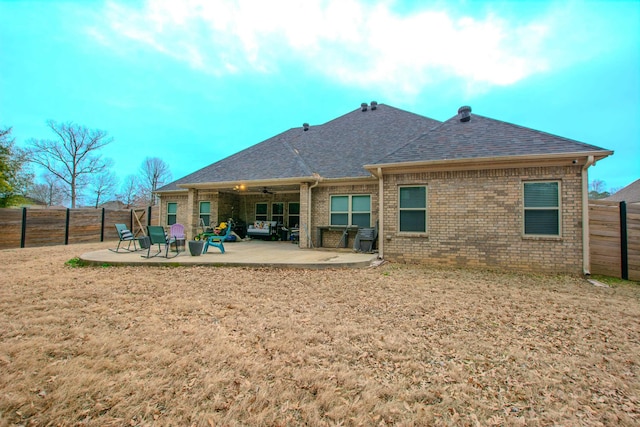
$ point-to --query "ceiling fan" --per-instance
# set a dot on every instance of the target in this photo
(266, 191)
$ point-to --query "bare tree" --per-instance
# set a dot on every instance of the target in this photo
(130, 192)
(102, 186)
(72, 156)
(51, 191)
(597, 186)
(598, 190)
(155, 173)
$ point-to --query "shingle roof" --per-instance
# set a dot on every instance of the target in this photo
(342, 147)
(270, 159)
(482, 137)
(629, 194)
(336, 149)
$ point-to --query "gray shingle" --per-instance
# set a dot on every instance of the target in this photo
(482, 137)
(341, 147)
(270, 159)
(629, 194)
(336, 149)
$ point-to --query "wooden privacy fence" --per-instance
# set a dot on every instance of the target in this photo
(614, 233)
(30, 227)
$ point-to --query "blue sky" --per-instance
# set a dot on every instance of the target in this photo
(194, 81)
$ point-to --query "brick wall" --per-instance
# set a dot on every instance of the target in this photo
(248, 204)
(183, 208)
(189, 209)
(321, 210)
(223, 206)
(475, 219)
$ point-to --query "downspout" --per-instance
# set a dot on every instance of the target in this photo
(380, 214)
(309, 241)
(586, 256)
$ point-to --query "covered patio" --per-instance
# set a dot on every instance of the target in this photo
(253, 253)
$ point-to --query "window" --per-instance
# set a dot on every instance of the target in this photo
(294, 215)
(261, 211)
(351, 210)
(172, 213)
(339, 210)
(542, 208)
(277, 212)
(413, 209)
(205, 213)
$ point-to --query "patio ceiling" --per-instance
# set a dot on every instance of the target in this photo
(243, 189)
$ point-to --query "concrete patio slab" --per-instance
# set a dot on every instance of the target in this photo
(253, 253)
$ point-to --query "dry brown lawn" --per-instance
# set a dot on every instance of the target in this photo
(393, 345)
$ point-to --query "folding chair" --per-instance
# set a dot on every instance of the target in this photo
(125, 235)
(157, 236)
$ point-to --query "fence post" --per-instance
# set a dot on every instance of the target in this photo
(102, 227)
(66, 227)
(624, 250)
(23, 233)
(149, 215)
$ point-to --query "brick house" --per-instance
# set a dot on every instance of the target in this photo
(471, 191)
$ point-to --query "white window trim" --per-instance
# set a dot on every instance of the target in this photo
(559, 208)
(349, 210)
(425, 209)
(174, 214)
(200, 213)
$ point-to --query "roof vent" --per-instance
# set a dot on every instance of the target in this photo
(374, 105)
(305, 126)
(465, 113)
(364, 106)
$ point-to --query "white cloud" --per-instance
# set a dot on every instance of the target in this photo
(346, 40)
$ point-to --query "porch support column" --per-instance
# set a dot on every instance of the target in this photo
(380, 214)
(305, 230)
(215, 210)
(192, 213)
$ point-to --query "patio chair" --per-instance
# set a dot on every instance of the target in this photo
(157, 236)
(217, 241)
(177, 236)
(125, 235)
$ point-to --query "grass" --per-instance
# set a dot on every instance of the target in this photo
(394, 345)
(614, 281)
(75, 262)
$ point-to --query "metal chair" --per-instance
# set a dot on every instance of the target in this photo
(157, 236)
(125, 235)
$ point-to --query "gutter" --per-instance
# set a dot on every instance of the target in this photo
(219, 185)
(586, 256)
(494, 161)
(380, 214)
